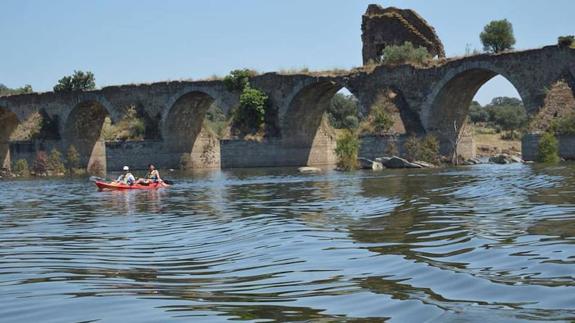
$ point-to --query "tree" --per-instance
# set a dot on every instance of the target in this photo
(55, 164)
(4, 90)
(238, 79)
(477, 113)
(346, 150)
(497, 36)
(250, 115)
(73, 158)
(79, 81)
(548, 149)
(342, 109)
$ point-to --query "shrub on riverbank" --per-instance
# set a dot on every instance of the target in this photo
(422, 148)
(21, 168)
(548, 149)
(73, 159)
(347, 149)
(40, 164)
(55, 164)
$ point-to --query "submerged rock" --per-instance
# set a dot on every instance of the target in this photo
(505, 159)
(397, 162)
(309, 170)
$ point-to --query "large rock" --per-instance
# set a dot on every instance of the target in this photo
(382, 27)
(365, 163)
(397, 162)
(505, 159)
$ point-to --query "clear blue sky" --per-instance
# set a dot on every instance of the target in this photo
(136, 41)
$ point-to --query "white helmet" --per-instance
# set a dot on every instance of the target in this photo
(126, 168)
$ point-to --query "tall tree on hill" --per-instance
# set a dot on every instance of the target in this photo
(497, 36)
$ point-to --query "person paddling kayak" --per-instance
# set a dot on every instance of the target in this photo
(153, 176)
(127, 177)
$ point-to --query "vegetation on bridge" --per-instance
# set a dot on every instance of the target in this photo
(497, 36)
(79, 81)
(4, 90)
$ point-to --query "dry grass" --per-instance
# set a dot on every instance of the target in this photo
(488, 142)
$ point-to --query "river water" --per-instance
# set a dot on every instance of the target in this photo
(487, 243)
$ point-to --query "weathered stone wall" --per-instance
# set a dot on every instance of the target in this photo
(530, 142)
(382, 27)
(432, 99)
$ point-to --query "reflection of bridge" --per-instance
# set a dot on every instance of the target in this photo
(429, 100)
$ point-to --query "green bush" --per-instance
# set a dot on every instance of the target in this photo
(73, 159)
(238, 79)
(79, 81)
(406, 53)
(341, 108)
(4, 90)
(497, 36)
(564, 125)
(21, 168)
(250, 115)
(548, 149)
(40, 163)
(55, 164)
(422, 148)
(347, 149)
(382, 121)
(566, 41)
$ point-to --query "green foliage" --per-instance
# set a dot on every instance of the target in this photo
(503, 113)
(21, 168)
(73, 158)
(55, 164)
(406, 53)
(548, 149)
(477, 113)
(40, 163)
(342, 112)
(347, 149)
(4, 90)
(132, 126)
(79, 81)
(497, 36)
(422, 148)
(250, 115)
(564, 125)
(381, 120)
(566, 41)
(238, 79)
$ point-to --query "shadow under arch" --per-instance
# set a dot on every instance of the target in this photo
(8, 123)
(83, 130)
(302, 129)
(449, 107)
(182, 129)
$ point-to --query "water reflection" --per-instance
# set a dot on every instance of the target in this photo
(480, 243)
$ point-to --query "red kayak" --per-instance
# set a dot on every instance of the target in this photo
(121, 186)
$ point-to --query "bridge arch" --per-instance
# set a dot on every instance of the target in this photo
(83, 129)
(184, 132)
(447, 107)
(451, 96)
(8, 123)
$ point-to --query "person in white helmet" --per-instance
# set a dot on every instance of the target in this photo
(127, 177)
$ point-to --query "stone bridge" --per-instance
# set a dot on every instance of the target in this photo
(430, 101)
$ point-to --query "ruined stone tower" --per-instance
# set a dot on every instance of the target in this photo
(383, 27)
